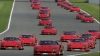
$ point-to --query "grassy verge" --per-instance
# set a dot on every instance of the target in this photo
(5, 9)
(92, 9)
(91, 54)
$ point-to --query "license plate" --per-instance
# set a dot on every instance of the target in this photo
(45, 53)
(88, 21)
(10, 47)
(76, 49)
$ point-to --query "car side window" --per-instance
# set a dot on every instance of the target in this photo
(56, 43)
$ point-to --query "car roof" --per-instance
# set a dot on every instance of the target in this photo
(93, 30)
(69, 31)
(44, 18)
(10, 37)
(82, 13)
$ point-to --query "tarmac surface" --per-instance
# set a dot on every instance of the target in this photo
(24, 22)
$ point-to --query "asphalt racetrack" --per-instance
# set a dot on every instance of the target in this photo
(24, 22)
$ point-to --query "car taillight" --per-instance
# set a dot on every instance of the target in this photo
(36, 49)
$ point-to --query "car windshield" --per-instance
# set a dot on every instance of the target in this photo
(78, 40)
(35, 1)
(86, 34)
(93, 31)
(48, 27)
(47, 43)
(62, 0)
(44, 7)
(88, 16)
(11, 38)
(43, 12)
(75, 7)
(36, 4)
(45, 19)
(26, 36)
(86, 38)
(81, 13)
(68, 33)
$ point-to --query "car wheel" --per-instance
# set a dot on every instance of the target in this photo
(21, 48)
(3, 48)
(88, 49)
(55, 0)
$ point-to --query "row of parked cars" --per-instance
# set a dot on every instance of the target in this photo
(81, 15)
(84, 41)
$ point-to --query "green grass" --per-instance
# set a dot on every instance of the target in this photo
(5, 9)
(91, 54)
(92, 9)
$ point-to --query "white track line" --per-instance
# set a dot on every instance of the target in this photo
(81, 54)
(9, 19)
(88, 14)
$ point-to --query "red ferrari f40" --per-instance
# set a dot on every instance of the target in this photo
(49, 30)
(28, 39)
(11, 42)
(48, 47)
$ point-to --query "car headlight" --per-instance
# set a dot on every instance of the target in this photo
(36, 49)
(17, 44)
(2, 44)
(54, 50)
(84, 46)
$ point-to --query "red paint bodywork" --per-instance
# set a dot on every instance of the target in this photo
(90, 41)
(80, 15)
(14, 44)
(67, 37)
(36, 6)
(83, 46)
(54, 49)
(45, 22)
(60, 2)
(74, 8)
(35, 2)
(97, 34)
(49, 30)
(68, 6)
(45, 15)
(88, 19)
(30, 41)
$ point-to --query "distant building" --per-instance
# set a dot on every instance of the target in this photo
(94, 1)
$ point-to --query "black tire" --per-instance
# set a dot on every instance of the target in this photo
(3, 48)
(21, 48)
(56, 0)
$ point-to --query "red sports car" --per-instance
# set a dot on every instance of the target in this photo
(88, 18)
(93, 38)
(49, 30)
(36, 6)
(80, 15)
(68, 35)
(30, 40)
(48, 47)
(45, 8)
(11, 42)
(68, 6)
(60, 2)
(81, 44)
(35, 2)
(89, 40)
(43, 14)
(74, 9)
(64, 3)
(94, 32)
(45, 21)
